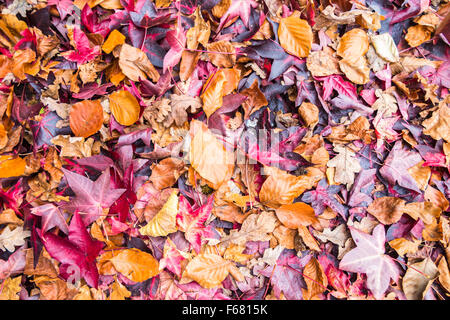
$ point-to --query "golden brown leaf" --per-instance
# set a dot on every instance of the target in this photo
(86, 118)
(356, 71)
(209, 270)
(166, 172)
(322, 63)
(115, 38)
(315, 278)
(416, 284)
(418, 34)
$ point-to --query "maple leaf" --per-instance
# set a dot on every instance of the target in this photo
(172, 258)
(368, 257)
(64, 7)
(84, 50)
(78, 250)
(91, 197)
(191, 222)
(14, 265)
(9, 239)
(51, 217)
(396, 165)
(324, 196)
(346, 165)
(238, 8)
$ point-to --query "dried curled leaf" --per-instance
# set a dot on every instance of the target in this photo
(86, 118)
(295, 35)
(125, 107)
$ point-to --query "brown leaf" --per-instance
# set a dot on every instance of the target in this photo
(257, 227)
(387, 210)
(135, 64)
(356, 71)
(322, 63)
(166, 173)
(255, 99)
(415, 284)
(309, 113)
(199, 33)
(227, 56)
(315, 278)
(295, 35)
(86, 118)
(444, 274)
(296, 214)
(438, 126)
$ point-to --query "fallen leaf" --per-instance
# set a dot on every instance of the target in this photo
(295, 35)
(125, 107)
(135, 264)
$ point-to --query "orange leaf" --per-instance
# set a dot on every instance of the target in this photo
(86, 118)
(213, 93)
(282, 187)
(295, 35)
(124, 107)
(353, 45)
(10, 167)
(296, 214)
(136, 265)
(208, 155)
(115, 38)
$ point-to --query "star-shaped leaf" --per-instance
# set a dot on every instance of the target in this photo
(51, 217)
(91, 197)
(369, 258)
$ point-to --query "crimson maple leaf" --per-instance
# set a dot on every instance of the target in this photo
(192, 222)
(91, 197)
(368, 257)
(51, 217)
(79, 251)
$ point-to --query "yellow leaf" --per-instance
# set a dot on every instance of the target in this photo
(136, 265)
(385, 47)
(115, 38)
(164, 222)
(213, 93)
(295, 35)
(209, 270)
(119, 291)
(10, 167)
(124, 107)
(353, 45)
(10, 289)
(208, 155)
